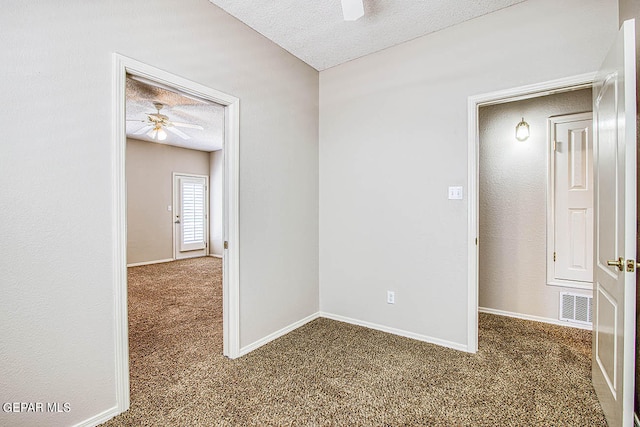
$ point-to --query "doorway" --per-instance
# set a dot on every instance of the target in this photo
(536, 209)
(190, 216)
(474, 104)
(124, 67)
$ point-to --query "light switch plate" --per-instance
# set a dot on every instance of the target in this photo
(455, 193)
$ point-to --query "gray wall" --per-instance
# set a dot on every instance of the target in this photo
(393, 137)
(150, 169)
(57, 310)
(513, 198)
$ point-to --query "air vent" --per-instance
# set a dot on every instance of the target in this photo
(575, 308)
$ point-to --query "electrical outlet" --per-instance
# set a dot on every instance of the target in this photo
(391, 297)
(455, 193)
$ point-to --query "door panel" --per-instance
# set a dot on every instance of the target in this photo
(571, 262)
(606, 339)
(615, 230)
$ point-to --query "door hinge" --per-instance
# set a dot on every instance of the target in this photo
(476, 241)
(226, 244)
(554, 257)
(555, 145)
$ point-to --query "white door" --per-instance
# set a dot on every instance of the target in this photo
(190, 216)
(615, 230)
(571, 258)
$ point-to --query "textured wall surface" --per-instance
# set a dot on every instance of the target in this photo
(150, 169)
(56, 65)
(393, 137)
(513, 198)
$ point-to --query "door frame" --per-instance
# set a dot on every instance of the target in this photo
(122, 66)
(175, 196)
(473, 104)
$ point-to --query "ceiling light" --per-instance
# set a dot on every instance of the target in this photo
(162, 135)
(522, 130)
(157, 133)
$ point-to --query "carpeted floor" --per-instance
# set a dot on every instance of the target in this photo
(329, 373)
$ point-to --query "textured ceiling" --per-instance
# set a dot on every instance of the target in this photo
(179, 108)
(315, 31)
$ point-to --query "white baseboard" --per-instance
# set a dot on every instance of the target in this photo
(100, 418)
(636, 420)
(215, 256)
(534, 318)
(277, 334)
(394, 331)
(160, 261)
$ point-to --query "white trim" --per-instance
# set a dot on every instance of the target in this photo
(277, 334)
(215, 256)
(231, 229)
(160, 261)
(535, 318)
(119, 228)
(231, 276)
(394, 331)
(474, 102)
(585, 286)
(100, 418)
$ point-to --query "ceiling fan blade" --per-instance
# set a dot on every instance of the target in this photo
(143, 129)
(352, 10)
(178, 132)
(186, 125)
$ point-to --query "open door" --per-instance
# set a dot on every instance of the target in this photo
(613, 349)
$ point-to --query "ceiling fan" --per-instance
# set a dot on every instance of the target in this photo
(352, 10)
(156, 123)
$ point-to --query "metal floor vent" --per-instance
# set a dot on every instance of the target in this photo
(575, 308)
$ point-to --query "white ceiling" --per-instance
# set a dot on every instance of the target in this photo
(179, 108)
(315, 31)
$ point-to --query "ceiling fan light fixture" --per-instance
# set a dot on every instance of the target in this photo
(352, 10)
(157, 133)
(161, 134)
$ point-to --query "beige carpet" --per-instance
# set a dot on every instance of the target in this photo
(329, 373)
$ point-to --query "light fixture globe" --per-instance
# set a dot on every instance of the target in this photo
(157, 133)
(162, 135)
(522, 130)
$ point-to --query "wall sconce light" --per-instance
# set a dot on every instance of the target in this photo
(522, 130)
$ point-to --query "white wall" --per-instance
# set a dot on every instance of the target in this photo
(513, 205)
(216, 237)
(57, 309)
(393, 137)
